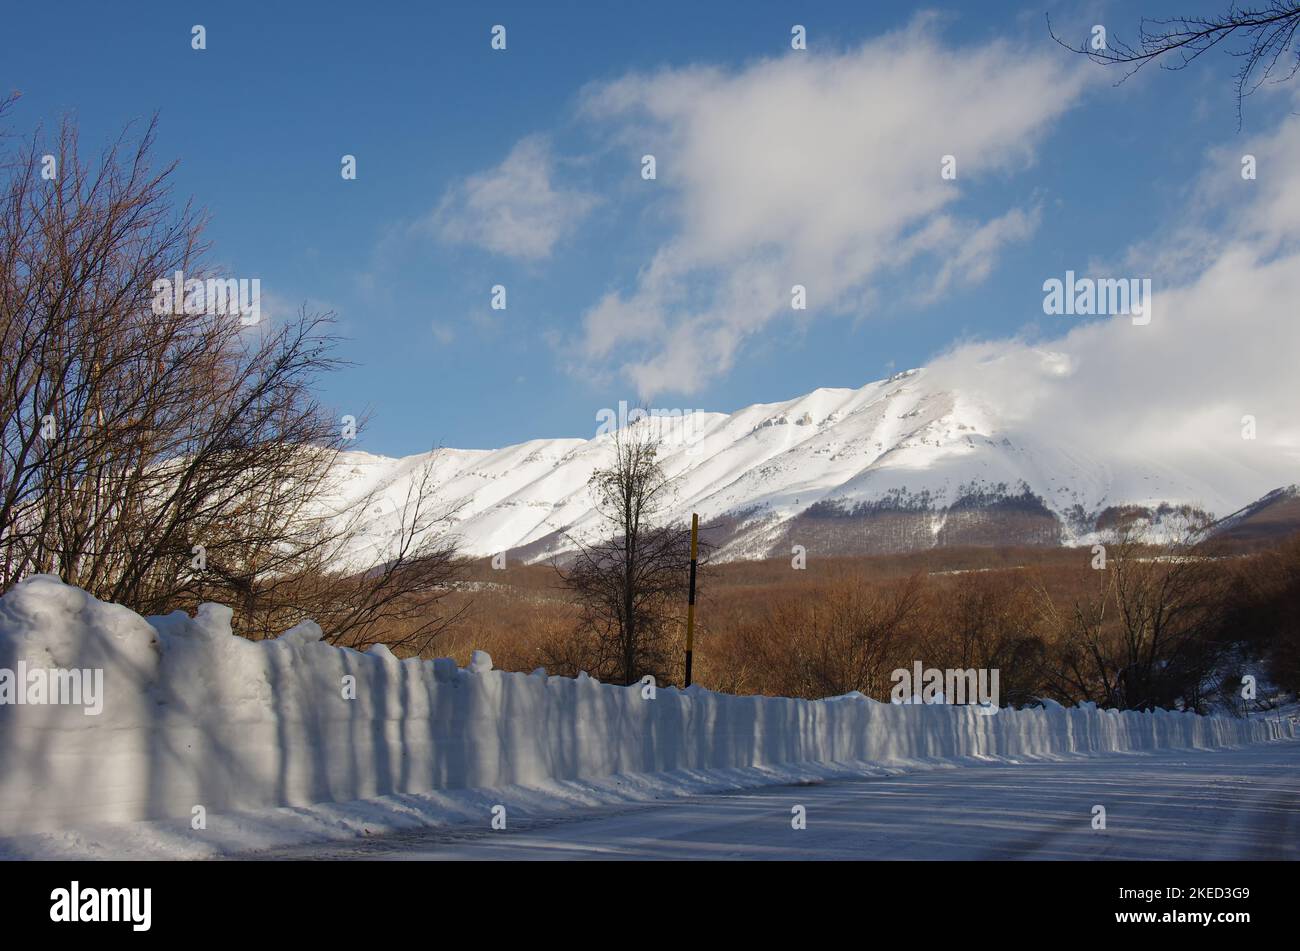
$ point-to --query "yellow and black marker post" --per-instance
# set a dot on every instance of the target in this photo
(690, 602)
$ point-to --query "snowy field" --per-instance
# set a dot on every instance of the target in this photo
(200, 743)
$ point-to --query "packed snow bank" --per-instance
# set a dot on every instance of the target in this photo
(194, 716)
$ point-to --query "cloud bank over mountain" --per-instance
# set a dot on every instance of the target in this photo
(1221, 345)
(824, 171)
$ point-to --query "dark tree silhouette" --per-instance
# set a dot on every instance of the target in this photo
(631, 582)
(1262, 36)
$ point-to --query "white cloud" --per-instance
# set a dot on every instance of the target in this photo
(815, 169)
(513, 209)
(1222, 342)
(975, 256)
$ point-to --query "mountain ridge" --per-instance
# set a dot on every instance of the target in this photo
(895, 465)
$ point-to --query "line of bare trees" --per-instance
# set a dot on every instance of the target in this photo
(1152, 628)
(1149, 626)
(161, 459)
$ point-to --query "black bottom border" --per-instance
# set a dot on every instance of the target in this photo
(975, 901)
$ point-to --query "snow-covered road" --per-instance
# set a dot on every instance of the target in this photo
(1225, 804)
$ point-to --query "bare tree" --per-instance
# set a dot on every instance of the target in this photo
(631, 583)
(847, 637)
(1146, 638)
(982, 621)
(362, 583)
(160, 455)
(1262, 36)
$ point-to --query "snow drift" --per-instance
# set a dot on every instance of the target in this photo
(194, 716)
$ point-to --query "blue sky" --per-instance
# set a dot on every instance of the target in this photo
(407, 253)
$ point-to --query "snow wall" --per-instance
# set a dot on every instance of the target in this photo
(193, 715)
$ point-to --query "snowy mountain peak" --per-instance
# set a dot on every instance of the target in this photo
(898, 449)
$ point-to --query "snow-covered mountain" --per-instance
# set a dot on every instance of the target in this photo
(898, 464)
